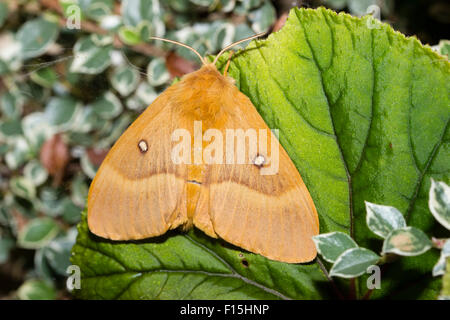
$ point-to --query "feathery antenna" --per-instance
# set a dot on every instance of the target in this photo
(219, 54)
(183, 45)
(236, 43)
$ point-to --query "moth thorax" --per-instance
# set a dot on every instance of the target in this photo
(143, 146)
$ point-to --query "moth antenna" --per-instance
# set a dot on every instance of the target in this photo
(183, 45)
(236, 43)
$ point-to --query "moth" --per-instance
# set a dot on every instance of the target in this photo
(142, 191)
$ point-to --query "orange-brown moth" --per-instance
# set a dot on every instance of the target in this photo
(139, 192)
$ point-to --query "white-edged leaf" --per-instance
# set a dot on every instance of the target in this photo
(146, 94)
(439, 267)
(439, 202)
(19, 153)
(37, 128)
(408, 241)
(6, 244)
(37, 233)
(36, 36)
(23, 187)
(331, 245)
(87, 166)
(3, 13)
(382, 220)
(35, 172)
(89, 57)
(157, 73)
(58, 254)
(263, 17)
(61, 112)
(11, 105)
(353, 262)
(125, 80)
(36, 290)
(108, 106)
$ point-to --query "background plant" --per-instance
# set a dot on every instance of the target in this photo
(67, 94)
(350, 261)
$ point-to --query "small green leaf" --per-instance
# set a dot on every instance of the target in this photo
(332, 245)
(129, 35)
(57, 252)
(3, 13)
(407, 241)
(6, 244)
(439, 267)
(89, 57)
(262, 18)
(23, 187)
(60, 112)
(19, 153)
(439, 202)
(382, 220)
(36, 36)
(10, 128)
(11, 105)
(35, 172)
(353, 263)
(71, 212)
(45, 77)
(125, 80)
(157, 73)
(36, 290)
(445, 294)
(37, 128)
(38, 233)
(79, 190)
(86, 120)
(108, 106)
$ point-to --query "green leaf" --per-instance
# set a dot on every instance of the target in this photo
(363, 113)
(58, 253)
(353, 263)
(262, 18)
(157, 73)
(36, 36)
(37, 233)
(11, 105)
(3, 13)
(36, 290)
(90, 58)
(408, 241)
(439, 202)
(135, 12)
(45, 77)
(60, 112)
(96, 9)
(382, 220)
(6, 244)
(129, 35)
(23, 187)
(445, 294)
(439, 267)
(332, 245)
(125, 80)
(189, 266)
(35, 172)
(108, 106)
